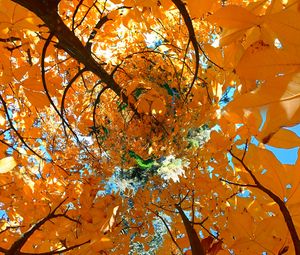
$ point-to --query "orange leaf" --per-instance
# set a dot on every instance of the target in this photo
(36, 98)
(158, 107)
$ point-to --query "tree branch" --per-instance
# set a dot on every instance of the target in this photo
(10, 39)
(3, 250)
(74, 14)
(70, 43)
(16, 131)
(238, 184)
(57, 251)
(197, 248)
(43, 73)
(202, 225)
(284, 210)
(16, 247)
(99, 24)
(168, 229)
(192, 37)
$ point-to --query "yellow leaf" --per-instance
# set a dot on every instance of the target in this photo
(20, 72)
(146, 3)
(231, 35)
(166, 4)
(109, 224)
(241, 224)
(230, 59)
(292, 176)
(183, 242)
(199, 7)
(7, 164)
(214, 54)
(233, 16)
(279, 97)
(270, 173)
(244, 243)
(284, 138)
(263, 61)
(286, 25)
(2, 120)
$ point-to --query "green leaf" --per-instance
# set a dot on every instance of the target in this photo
(171, 91)
(144, 164)
(105, 130)
(122, 106)
(139, 91)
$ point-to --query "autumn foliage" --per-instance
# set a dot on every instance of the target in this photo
(120, 117)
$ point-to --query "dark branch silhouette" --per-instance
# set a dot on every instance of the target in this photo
(68, 42)
(192, 37)
(196, 246)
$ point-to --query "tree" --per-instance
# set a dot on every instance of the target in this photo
(118, 135)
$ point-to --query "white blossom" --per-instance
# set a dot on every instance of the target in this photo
(172, 168)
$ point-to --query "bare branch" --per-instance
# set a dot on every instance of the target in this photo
(74, 14)
(205, 228)
(3, 250)
(62, 110)
(208, 59)
(163, 208)
(184, 198)
(9, 227)
(99, 24)
(4, 185)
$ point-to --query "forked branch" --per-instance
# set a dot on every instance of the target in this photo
(284, 210)
(16, 247)
(70, 43)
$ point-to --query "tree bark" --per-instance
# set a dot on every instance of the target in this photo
(196, 246)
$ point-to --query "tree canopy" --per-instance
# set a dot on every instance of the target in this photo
(145, 126)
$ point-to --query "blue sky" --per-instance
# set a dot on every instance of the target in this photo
(287, 156)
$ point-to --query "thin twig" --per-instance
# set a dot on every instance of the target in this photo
(238, 184)
(16, 131)
(168, 229)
